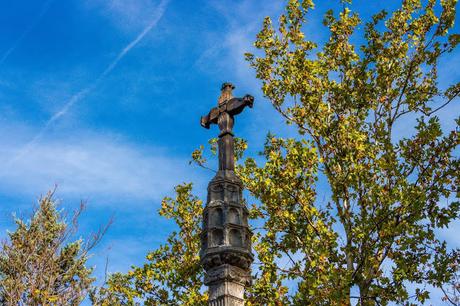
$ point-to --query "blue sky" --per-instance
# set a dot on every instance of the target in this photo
(103, 98)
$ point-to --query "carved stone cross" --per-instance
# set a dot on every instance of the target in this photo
(223, 116)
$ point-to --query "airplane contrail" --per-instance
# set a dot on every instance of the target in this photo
(29, 29)
(84, 92)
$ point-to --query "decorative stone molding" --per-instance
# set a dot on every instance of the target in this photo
(227, 273)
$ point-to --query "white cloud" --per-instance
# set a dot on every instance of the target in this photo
(242, 20)
(128, 16)
(87, 90)
(90, 165)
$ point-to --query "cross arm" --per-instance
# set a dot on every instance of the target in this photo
(233, 107)
(210, 118)
(236, 105)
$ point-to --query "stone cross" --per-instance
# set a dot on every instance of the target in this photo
(226, 238)
(223, 116)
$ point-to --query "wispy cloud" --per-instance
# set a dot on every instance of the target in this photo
(88, 165)
(27, 31)
(84, 92)
(127, 16)
(242, 21)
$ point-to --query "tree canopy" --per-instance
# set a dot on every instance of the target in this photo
(38, 263)
(374, 238)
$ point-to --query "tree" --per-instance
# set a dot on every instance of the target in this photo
(172, 275)
(374, 238)
(38, 266)
(377, 231)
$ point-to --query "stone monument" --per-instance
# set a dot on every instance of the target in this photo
(226, 239)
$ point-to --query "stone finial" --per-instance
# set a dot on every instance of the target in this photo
(226, 94)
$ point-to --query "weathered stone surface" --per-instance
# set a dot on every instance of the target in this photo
(226, 294)
(229, 273)
(226, 238)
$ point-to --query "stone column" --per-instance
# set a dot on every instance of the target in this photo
(226, 239)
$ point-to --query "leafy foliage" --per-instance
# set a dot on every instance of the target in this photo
(388, 194)
(38, 266)
(172, 274)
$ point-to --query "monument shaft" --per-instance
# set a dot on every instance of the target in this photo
(226, 239)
